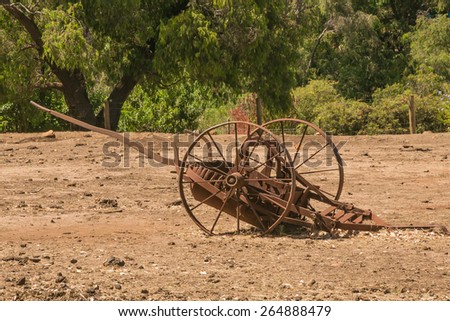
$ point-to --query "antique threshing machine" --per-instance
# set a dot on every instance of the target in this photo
(286, 172)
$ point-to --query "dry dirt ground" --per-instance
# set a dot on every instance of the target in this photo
(72, 229)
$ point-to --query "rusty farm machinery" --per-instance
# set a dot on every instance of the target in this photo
(286, 173)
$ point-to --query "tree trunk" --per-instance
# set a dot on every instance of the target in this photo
(75, 95)
(118, 97)
(73, 82)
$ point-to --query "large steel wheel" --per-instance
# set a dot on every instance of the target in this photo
(316, 159)
(239, 182)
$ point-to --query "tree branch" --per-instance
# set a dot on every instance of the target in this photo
(26, 22)
(52, 85)
(316, 45)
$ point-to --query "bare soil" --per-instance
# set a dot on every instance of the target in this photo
(72, 229)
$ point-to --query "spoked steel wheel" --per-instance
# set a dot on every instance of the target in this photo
(235, 183)
(315, 157)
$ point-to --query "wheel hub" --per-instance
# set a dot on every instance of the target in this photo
(235, 180)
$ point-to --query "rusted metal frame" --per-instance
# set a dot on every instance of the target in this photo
(197, 179)
(347, 217)
(322, 196)
(148, 152)
(252, 208)
(292, 208)
(205, 167)
(286, 219)
(272, 181)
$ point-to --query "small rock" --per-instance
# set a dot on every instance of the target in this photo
(60, 278)
(22, 204)
(35, 259)
(8, 258)
(105, 202)
(21, 281)
(312, 282)
(90, 291)
(286, 286)
(144, 291)
(87, 194)
(114, 261)
(174, 203)
(32, 147)
(49, 134)
(117, 286)
(171, 243)
(73, 261)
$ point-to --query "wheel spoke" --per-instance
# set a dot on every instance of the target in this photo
(206, 181)
(299, 144)
(247, 158)
(217, 147)
(238, 214)
(317, 152)
(269, 179)
(254, 211)
(268, 160)
(207, 199)
(283, 139)
(236, 143)
(221, 209)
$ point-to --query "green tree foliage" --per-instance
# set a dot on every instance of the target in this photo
(102, 49)
(257, 41)
(170, 65)
(170, 110)
(319, 102)
(430, 45)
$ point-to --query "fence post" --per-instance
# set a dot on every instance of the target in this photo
(259, 110)
(106, 115)
(412, 115)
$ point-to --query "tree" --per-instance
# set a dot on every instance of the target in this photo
(89, 48)
(430, 46)
(100, 50)
(252, 46)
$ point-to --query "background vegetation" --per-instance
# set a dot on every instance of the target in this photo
(349, 66)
